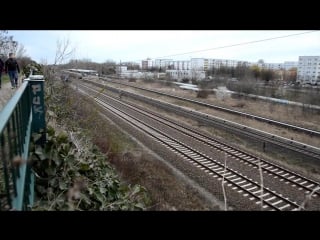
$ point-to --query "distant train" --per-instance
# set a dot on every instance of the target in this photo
(187, 86)
(77, 73)
(84, 72)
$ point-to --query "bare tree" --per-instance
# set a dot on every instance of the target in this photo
(26, 64)
(256, 71)
(308, 198)
(267, 75)
(21, 51)
(64, 51)
(7, 44)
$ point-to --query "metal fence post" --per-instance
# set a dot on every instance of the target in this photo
(36, 88)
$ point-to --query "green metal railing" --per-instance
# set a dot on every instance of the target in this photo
(22, 116)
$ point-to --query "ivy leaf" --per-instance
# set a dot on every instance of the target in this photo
(51, 171)
(85, 198)
(62, 185)
(36, 136)
(91, 191)
(50, 131)
(136, 189)
(62, 138)
(103, 190)
(50, 113)
(100, 197)
(140, 206)
(84, 167)
(39, 151)
(53, 182)
(125, 207)
(56, 158)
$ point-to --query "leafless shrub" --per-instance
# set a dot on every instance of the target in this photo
(223, 182)
(261, 183)
(202, 94)
(307, 198)
(239, 105)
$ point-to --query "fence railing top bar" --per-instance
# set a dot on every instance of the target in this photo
(7, 110)
(35, 78)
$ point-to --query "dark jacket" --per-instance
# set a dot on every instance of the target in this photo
(11, 65)
(1, 65)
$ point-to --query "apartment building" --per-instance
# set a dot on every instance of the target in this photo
(287, 65)
(309, 70)
(146, 64)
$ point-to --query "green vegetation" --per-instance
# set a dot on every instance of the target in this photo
(5, 78)
(71, 171)
(36, 68)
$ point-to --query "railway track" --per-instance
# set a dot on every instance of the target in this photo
(271, 200)
(228, 110)
(230, 126)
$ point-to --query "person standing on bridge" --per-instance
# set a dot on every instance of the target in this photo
(1, 69)
(12, 69)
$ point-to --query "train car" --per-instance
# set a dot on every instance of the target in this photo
(84, 72)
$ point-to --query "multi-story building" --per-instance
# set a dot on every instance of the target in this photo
(120, 69)
(186, 74)
(274, 66)
(179, 69)
(205, 64)
(162, 63)
(199, 64)
(182, 65)
(146, 64)
(309, 70)
(289, 65)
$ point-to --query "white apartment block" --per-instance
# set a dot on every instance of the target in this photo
(182, 65)
(288, 65)
(120, 69)
(146, 64)
(309, 70)
(205, 64)
(179, 69)
(277, 66)
(199, 64)
(273, 66)
(217, 63)
(190, 74)
(163, 63)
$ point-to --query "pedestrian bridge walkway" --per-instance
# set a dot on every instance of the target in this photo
(6, 93)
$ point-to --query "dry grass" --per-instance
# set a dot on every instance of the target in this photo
(166, 192)
(136, 166)
(306, 168)
(239, 105)
(298, 165)
(291, 114)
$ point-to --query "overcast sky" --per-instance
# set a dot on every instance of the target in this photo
(134, 45)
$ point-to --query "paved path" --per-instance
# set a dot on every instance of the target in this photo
(6, 93)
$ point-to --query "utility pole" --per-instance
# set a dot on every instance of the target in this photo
(120, 69)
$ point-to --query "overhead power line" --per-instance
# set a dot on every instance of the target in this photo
(237, 44)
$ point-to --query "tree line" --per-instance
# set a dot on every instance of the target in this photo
(242, 72)
(9, 45)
